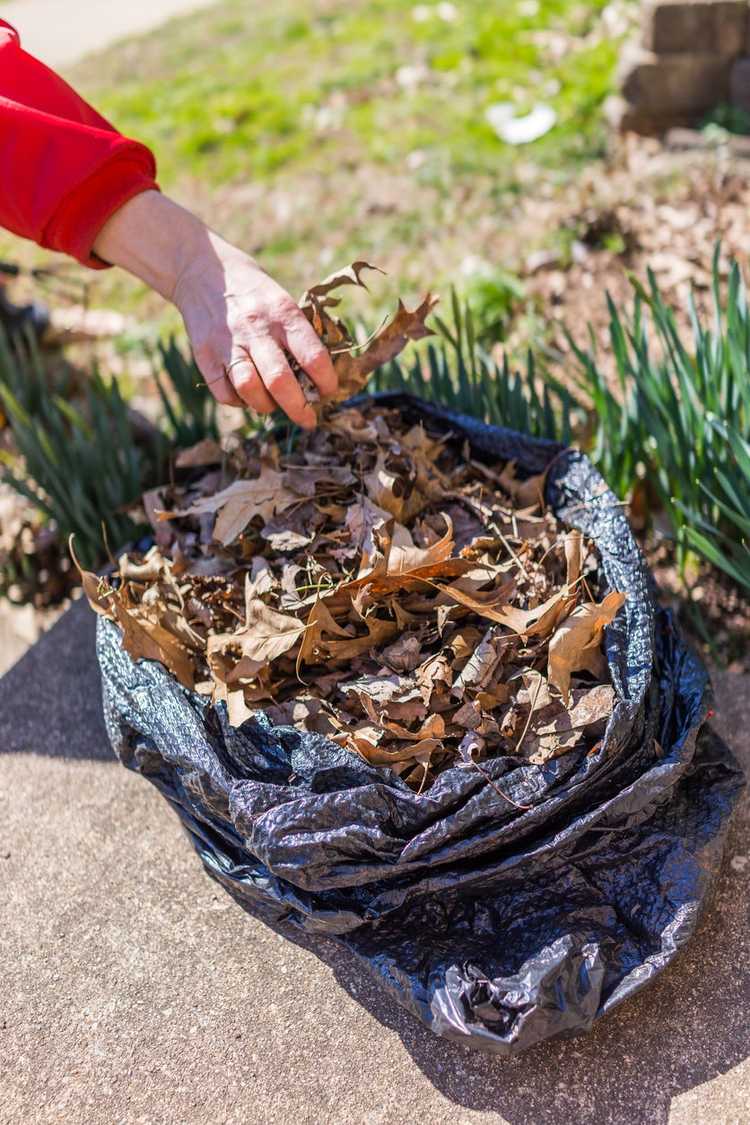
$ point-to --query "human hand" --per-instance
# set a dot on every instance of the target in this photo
(242, 325)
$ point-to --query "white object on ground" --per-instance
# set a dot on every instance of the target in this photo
(520, 130)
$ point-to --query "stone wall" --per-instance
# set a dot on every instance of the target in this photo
(694, 55)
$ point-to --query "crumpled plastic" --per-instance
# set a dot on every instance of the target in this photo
(498, 926)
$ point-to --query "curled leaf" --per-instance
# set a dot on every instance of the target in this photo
(575, 646)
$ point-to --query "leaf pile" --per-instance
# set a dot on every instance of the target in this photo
(376, 585)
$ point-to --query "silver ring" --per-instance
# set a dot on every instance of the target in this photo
(241, 359)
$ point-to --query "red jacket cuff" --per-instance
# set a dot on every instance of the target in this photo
(82, 214)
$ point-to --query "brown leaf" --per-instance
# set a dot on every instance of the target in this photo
(481, 665)
(468, 716)
(377, 757)
(403, 655)
(525, 492)
(149, 570)
(548, 746)
(237, 707)
(101, 597)
(264, 637)
(404, 557)
(526, 622)
(432, 727)
(575, 646)
(431, 674)
(588, 707)
(489, 700)
(320, 624)
(260, 579)
(383, 487)
(143, 637)
(348, 275)
(378, 632)
(305, 480)
(288, 531)
(535, 691)
(241, 502)
(382, 689)
(205, 452)
(153, 505)
(367, 525)
(353, 371)
(99, 593)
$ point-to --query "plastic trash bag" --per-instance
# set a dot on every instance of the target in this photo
(497, 926)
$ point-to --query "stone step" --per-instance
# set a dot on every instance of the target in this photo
(739, 92)
(668, 85)
(717, 27)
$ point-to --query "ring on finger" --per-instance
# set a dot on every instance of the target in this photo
(245, 357)
(234, 362)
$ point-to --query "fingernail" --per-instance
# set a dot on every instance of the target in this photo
(311, 419)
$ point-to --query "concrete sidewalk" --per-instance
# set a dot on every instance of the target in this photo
(133, 989)
(62, 31)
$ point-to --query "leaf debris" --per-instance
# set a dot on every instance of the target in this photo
(373, 584)
(409, 645)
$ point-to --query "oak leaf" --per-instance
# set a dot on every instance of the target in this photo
(576, 645)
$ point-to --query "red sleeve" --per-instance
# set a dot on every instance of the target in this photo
(65, 170)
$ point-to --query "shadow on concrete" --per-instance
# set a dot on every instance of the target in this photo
(51, 700)
(688, 1027)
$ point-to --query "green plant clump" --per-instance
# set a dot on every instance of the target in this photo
(84, 458)
(682, 417)
(82, 467)
(190, 412)
(459, 374)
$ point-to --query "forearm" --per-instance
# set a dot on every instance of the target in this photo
(155, 239)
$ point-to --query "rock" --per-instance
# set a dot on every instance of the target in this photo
(665, 85)
(677, 26)
(739, 84)
(626, 118)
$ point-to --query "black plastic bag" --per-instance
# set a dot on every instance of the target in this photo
(498, 926)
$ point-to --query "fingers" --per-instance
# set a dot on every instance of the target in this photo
(215, 375)
(222, 389)
(246, 381)
(311, 354)
(279, 381)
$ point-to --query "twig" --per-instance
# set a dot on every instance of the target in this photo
(528, 720)
(479, 509)
(498, 790)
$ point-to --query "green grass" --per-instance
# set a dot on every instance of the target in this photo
(294, 129)
(234, 92)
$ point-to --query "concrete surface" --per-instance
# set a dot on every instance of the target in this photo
(61, 31)
(132, 989)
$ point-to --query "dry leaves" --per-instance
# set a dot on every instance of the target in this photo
(353, 369)
(410, 647)
(373, 585)
(577, 644)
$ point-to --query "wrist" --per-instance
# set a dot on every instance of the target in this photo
(155, 239)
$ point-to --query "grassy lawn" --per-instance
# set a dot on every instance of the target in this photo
(313, 133)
